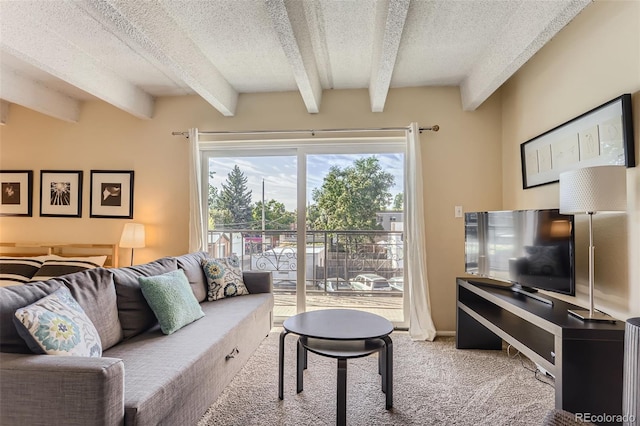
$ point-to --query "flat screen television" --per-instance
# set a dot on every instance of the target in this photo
(529, 249)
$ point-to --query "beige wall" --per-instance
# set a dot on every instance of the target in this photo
(473, 161)
(462, 165)
(595, 59)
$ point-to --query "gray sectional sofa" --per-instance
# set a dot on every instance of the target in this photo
(143, 377)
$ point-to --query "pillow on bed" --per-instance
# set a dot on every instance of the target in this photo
(19, 270)
(56, 266)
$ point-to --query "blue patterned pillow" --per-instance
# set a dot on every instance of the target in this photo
(171, 299)
(57, 325)
(224, 278)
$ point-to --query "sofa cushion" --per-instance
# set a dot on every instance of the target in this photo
(258, 281)
(95, 292)
(224, 278)
(56, 266)
(57, 325)
(191, 264)
(133, 310)
(171, 299)
(13, 298)
(18, 270)
(172, 380)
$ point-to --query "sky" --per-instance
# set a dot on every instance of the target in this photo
(279, 173)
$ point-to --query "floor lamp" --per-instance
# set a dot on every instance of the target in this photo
(132, 237)
(588, 191)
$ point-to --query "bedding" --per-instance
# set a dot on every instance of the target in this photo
(56, 266)
(21, 270)
(18, 270)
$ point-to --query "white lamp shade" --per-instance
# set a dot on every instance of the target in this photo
(132, 236)
(593, 189)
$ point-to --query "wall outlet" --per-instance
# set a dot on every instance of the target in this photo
(458, 211)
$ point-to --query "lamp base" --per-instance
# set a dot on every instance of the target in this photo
(586, 315)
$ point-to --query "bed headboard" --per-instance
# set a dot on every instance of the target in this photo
(66, 250)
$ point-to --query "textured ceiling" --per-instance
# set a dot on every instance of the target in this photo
(54, 54)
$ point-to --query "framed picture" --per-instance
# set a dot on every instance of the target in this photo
(17, 192)
(112, 194)
(602, 136)
(61, 193)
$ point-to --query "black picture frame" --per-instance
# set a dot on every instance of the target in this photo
(601, 136)
(61, 193)
(17, 193)
(111, 194)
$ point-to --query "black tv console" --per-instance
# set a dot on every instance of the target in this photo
(586, 358)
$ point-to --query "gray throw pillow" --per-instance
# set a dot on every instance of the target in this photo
(16, 297)
(171, 299)
(191, 264)
(95, 292)
(133, 310)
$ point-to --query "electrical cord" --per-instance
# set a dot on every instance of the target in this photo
(550, 381)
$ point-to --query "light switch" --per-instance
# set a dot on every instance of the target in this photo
(458, 211)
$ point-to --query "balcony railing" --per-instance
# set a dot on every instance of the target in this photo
(337, 262)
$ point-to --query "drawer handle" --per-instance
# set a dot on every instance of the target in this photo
(232, 354)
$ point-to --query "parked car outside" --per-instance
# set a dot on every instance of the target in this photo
(284, 285)
(397, 283)
(370, 282)
(335, 284)
(288, 285)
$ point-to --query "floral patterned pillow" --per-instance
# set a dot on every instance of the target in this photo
(224, 278)
(57, 325)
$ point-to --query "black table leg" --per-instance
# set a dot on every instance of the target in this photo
(341, 403)
(305, 358)
(301, 353)
(389, 371)
(283, 334)
(382, 366)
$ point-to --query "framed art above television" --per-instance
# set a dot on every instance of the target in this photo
(602, 136)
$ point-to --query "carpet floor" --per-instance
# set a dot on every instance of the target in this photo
(434, 384)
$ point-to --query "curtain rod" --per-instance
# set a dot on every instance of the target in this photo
(313, 132)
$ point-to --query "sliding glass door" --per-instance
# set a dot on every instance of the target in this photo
(354, 220)
(326, 220)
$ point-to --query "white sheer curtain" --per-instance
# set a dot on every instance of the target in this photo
(197, 225)
(420, 323)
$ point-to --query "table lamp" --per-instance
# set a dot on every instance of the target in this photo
(590, 190)
(132, 237)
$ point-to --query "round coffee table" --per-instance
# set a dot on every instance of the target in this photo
(342, 334)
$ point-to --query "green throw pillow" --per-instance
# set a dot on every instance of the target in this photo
(171, 300)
